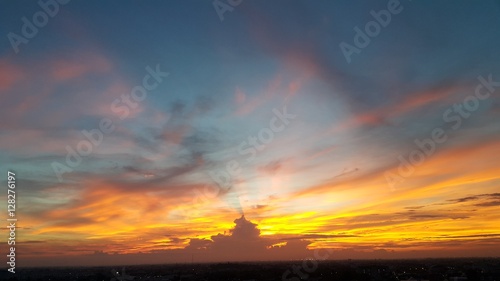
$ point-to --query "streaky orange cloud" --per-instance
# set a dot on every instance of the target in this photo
(410, 103)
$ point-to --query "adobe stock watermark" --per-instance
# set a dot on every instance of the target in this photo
(308, 266)
(121, 106)
(253, 144)
(29, 29)
(223, 6)
(362, 38)
(454, 116)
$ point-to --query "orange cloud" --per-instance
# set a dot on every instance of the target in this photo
(408, 104)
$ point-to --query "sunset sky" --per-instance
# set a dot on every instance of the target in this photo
(258, 138)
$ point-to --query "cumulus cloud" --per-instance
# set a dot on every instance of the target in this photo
(244, 242)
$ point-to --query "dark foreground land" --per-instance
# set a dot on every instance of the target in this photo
(383, 270)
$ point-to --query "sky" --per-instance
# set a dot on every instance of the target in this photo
(181, 131)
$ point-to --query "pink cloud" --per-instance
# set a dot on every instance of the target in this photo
(64, 69)
(10, 74)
